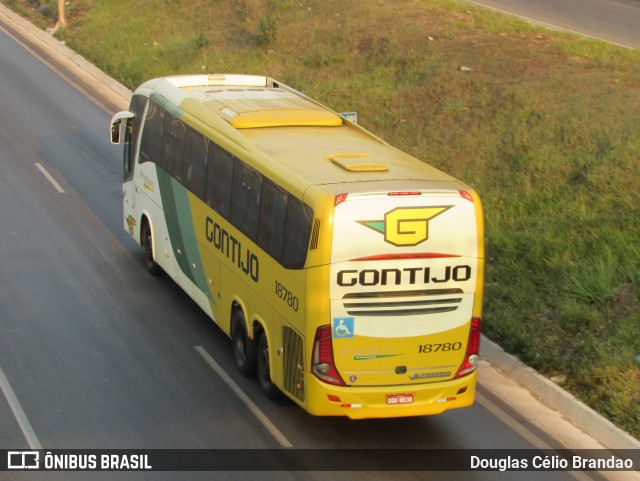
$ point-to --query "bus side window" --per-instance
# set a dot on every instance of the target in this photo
(173, 148)
(219, 177)
(297, 231)
(273, 211)
(247, 184)
(150, 147)
(195, 162)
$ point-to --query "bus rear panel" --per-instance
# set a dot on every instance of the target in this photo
(405, 296)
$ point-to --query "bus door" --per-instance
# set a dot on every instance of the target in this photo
(131, 121)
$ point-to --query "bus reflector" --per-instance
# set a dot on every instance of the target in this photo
(466, 195)
(470, 362)
(340, 198)
(322, 364)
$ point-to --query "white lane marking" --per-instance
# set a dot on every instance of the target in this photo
(18, 412)
(262, 417)
(50, 178)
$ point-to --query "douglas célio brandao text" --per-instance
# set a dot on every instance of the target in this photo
(550, 463)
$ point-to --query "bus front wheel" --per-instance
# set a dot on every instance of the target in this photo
(147, 242)
(264, 371)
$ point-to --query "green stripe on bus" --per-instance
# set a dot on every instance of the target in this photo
(192, 251)
(177, 214)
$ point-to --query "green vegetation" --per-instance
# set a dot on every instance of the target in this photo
(545, 126)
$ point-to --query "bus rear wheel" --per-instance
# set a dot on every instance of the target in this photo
(269, 389)
(244, 349)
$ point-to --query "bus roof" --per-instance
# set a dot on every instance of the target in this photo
(293, 130)
(338, 155)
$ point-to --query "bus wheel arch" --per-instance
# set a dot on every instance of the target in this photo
(245, 349)
(147, 242)
(270, 390)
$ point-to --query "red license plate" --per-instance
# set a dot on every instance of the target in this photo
(399, 398)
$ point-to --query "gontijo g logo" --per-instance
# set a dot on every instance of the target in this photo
(406, 226)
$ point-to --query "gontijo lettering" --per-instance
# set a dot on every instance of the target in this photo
(396, 277)
(231, 247)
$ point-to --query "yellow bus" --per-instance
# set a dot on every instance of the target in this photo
(348, 274)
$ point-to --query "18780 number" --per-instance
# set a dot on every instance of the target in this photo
(287, 296)
(447, 346)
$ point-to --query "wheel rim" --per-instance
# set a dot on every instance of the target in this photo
(240, 346)
(263, 366)
(148, 247)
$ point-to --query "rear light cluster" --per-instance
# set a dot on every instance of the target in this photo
(394, 194)
(471, 357)
(323, 366)
(401, 257)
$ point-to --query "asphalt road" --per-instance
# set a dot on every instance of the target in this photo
(98, 354)
(617, 21)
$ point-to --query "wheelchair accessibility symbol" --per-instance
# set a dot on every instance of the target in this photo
(343, 327)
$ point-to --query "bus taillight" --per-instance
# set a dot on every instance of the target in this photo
(323, 366)
(470, 362)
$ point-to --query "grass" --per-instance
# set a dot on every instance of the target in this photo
(544, 125)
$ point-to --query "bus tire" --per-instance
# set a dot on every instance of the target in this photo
(147, 242)
(269, 389)
(244, 349)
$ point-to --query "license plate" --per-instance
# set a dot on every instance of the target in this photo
(399, 398)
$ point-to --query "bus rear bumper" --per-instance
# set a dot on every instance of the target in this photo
(389, 401)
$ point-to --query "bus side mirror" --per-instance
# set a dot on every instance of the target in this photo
(115, 133)
(116, 120)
